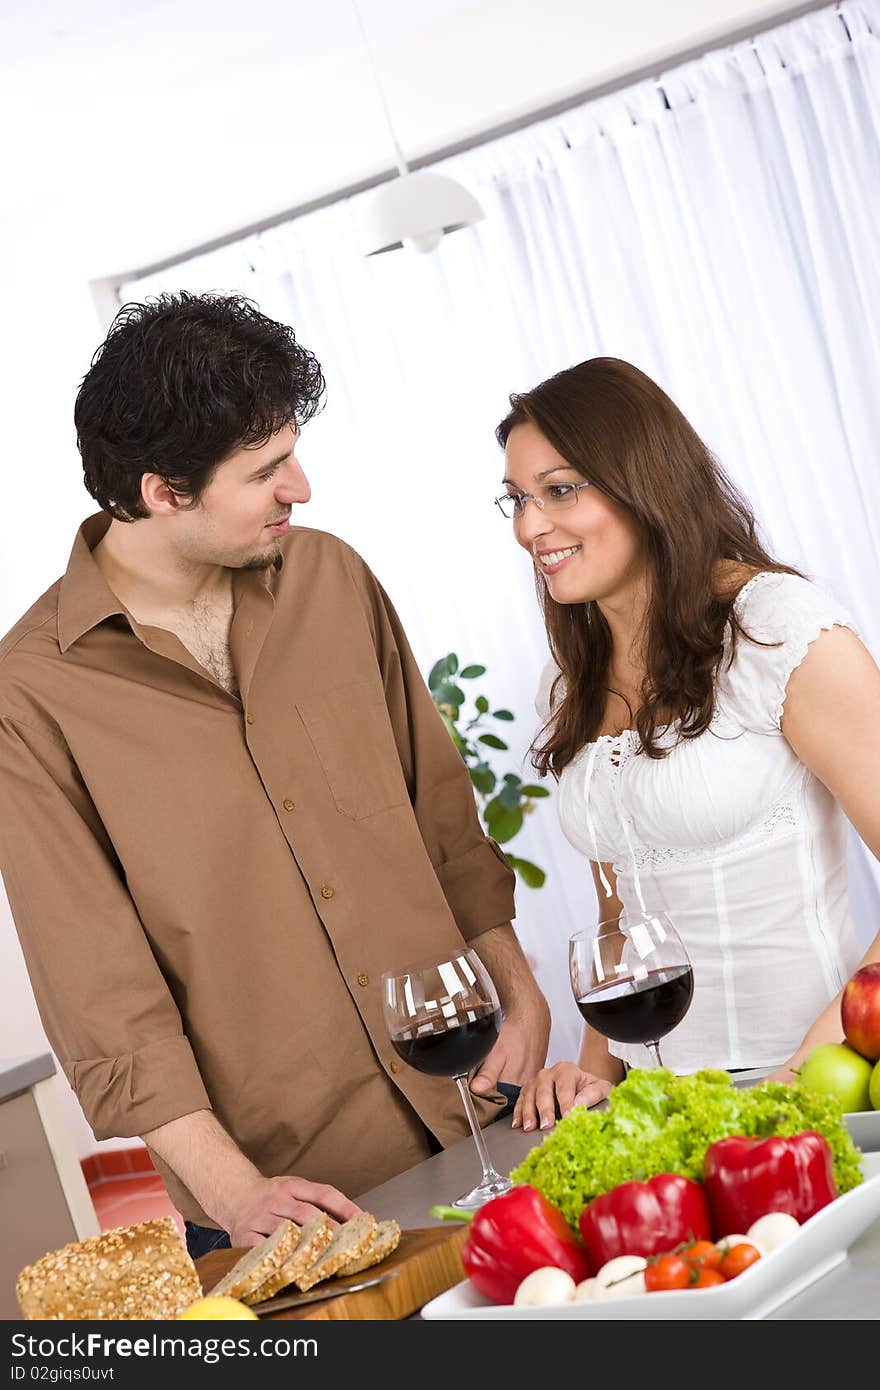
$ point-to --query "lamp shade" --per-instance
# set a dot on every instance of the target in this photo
(415, 210)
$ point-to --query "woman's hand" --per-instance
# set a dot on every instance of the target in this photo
(565, 1085)
(786, 1073)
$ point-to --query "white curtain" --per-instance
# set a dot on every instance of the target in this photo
(718, 228)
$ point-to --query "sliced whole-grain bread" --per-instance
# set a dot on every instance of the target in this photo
(314, 1237)
(349, 1240)
(386, 1238)
(259, 1263)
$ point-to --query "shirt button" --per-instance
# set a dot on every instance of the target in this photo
(363, 980)
(249, 718)
(289, 805)
(395, 1067)
(327, 891)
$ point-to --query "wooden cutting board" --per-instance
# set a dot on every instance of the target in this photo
(428, 1262)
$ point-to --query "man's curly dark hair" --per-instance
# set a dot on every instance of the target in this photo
(179, 384)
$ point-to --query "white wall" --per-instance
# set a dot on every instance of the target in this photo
(144, 129)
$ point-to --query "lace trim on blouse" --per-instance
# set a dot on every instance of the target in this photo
(780, 821)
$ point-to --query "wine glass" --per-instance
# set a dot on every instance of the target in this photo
(443, 1017)
(632, 979)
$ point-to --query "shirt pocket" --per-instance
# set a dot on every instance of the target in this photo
(351, 734)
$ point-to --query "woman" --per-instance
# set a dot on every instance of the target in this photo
(711, 716)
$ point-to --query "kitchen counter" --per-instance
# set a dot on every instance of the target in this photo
(44, 1200)
(20, 1073)
(850, 1292)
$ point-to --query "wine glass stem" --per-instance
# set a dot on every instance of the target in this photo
(654, 1049)
(467, 1101)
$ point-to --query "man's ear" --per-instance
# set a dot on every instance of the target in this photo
(159, 496)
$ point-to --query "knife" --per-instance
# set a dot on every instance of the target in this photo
(296, 1300)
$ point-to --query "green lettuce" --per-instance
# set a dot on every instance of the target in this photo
(657, 1122)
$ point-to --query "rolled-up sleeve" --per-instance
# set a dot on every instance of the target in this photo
(479, 887)
(475, 877)
(104, 1003)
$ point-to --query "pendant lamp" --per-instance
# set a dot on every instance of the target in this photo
(414, 209)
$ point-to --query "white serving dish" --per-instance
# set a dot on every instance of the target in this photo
(864, 1129)
(821, 1243)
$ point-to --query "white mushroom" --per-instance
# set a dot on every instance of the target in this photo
(773, 1230)
(587, 1288)
(545, 1285)
(625, 1274)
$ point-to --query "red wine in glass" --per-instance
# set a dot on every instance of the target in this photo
(449, 1047)
(639, 1011)
(443, 1017)
(632, 978)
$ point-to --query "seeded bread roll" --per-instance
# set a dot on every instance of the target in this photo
(349, 1240)
(140, 1271)
(259, 1263)
(314, 1237)
(386, 1238)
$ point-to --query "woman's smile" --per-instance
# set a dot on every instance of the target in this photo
(551, 561)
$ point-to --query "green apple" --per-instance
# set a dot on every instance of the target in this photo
(834, 1069)
(874, 1086)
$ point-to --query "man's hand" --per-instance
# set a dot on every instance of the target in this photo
(231, 1189)
(519, 1052)
(521, 1048)
(257, 1208)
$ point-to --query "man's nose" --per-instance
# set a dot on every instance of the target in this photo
(292, 485)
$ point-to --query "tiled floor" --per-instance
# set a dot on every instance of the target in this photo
(125, 1188)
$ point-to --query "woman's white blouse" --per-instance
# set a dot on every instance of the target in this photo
(735, 839)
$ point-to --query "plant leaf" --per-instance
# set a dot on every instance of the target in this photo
(501, 823)
(512, 779)
(452, 663)
(534, 791)
(530, 873)
(449, 694)
(492, 741)
(470, 673)
(482, 704)
(509, 797)
(483, 779)
(439, 672)
(502, 714)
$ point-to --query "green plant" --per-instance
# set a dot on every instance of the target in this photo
(503, 802)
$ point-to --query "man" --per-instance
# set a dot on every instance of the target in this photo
(227, 802)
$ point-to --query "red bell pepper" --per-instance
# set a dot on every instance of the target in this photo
(644, 1218)
(746, 1178)
(512, 1235)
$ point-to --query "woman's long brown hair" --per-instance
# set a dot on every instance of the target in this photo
(617, 428)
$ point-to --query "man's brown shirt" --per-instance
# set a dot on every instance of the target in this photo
(207, 889)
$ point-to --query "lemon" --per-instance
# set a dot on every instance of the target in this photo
(217, 1309)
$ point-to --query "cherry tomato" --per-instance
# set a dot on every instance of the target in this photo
(667, 1272)
(702, 1254)
(738, 1258)
(707, 1277)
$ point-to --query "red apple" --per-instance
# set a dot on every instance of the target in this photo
(874, 1087)
(860, 1011)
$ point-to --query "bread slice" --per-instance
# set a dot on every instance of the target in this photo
(314, 1237)
(259, 1263)
(132, 1272)
(386, 1238)
(349, 1240)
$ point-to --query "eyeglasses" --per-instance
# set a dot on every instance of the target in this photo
(556, 497)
